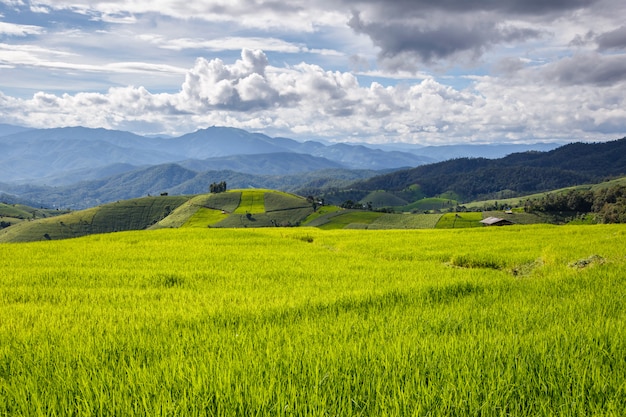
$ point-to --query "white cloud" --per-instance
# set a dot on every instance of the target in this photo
(231, 43)
(268, 44)
(307, 101)
(436, 71)
(12, 29)
(296, 15)
(35, 8)
(33, 56)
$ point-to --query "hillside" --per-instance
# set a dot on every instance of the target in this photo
(232, 209)
(133, 214)
(174, 179)
(11, 214)
(520, 201)
(516, 174)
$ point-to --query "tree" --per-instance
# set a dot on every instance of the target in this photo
(217, 187)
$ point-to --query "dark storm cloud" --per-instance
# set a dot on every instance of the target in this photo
(615, 39)
(401, 8)
(414, 32)
(592, 68)
(429, 44)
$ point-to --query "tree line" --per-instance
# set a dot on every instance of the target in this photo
(607, 204)
(218, 187)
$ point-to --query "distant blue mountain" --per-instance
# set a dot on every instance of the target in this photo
(10, 129)
(64, 155)
(79, 167)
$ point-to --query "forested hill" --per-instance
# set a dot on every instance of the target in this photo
(521, 173)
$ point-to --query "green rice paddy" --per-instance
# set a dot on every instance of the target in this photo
(516, 321)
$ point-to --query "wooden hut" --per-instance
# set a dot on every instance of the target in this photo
(496, 221)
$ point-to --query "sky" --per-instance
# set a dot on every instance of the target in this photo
(376, 71)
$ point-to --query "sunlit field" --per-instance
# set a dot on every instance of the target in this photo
(521, 321)
(459, 220)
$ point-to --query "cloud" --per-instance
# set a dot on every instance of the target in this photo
(268, 44)
(307, 101)
(373, 70)
(413, 34)
(406, 43)
(413, 8)
(615, 39)
(230, 43)
(241, 86)
(29, 55)
(34, 56)
(590, 68)
(12, 29)
(297, 15)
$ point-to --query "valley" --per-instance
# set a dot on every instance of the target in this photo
(331, 292)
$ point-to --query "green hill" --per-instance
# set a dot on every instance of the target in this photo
(135, 214)
(269, 208)
(519, 201)
(380, 199)
(237, 208)
(517, 174)
(244, 208)
(12, 214)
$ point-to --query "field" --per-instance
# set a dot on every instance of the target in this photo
(405, 221)
(322, 215)
(518, 321)
(204, 217)
(252, 201)
(460, 220)
(236, 208)
(434, 203)
(18, 211)
(355, 219)
(135, 214)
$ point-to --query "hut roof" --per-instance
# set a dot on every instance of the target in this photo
(495, 221)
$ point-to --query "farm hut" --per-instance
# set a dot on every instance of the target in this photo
(496, 221)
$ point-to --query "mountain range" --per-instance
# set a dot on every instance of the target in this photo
(516, 174)
(63, 156)
(78, 167)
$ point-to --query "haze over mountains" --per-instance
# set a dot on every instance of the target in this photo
(79, 167)
(61, 156)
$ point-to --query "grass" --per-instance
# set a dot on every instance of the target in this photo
(459, 220)
(518, 216)
(427, 204)
(241, 208)
(135, 214)
(350, 218)
(320, 215)
(405, 221)
(383, 199)
(228, 201)
(204, 217)
(277, 201)
(252, 201)
(190, 322)
(20, 211)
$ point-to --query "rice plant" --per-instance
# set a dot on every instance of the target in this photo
(522, 321)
